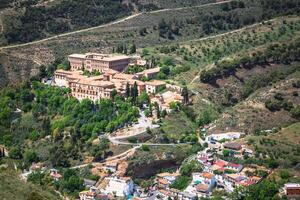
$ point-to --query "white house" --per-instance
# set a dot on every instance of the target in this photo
(89, 194)
(121, 187)
(224, 136)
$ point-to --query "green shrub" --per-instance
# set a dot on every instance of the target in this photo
(181, 182)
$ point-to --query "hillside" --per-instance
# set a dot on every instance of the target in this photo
(25, 21)
(252, 115)
(283, 146)
(152, 28)
(12, 187)
(224, 66)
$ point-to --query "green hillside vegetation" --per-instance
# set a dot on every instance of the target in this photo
(188, 57)
(276, 53)
(145, 5)
(180, 25)
(237, 84)
(12, 187)
(253, 115)
(71, 125)
(35, 22)
(177, 126)
(283, 146)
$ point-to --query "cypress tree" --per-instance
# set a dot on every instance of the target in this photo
(185, 95)
(128, 92)
(133, 49)
(134, 92)
(125, 49)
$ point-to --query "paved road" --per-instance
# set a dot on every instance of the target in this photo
(109, 24)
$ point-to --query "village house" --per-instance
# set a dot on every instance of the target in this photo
(187, 196)
(55, 174)
(121, 187)
(292, 190)
(153, 87)
(204, 182)
(224, 136)
(176, 194)
(40, 166)
(98, 62)
(235, 178)
(137, 60)
(88, 183)
(232, 146)
(163, 180)
(149, 73)
(165, 99)
(205, 158)
(234, 167)
(222, 166)
(90, 194)
(111, 167)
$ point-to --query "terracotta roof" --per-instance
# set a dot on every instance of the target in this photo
(155, 83)
(162, 181)
(124, 76)
(97, 56)
(87, 193)
(139, 83)
(55, 175)
(77, 55)
(202, 187)
(110, 71)
(220, 163)
(255, 178)
(207, 175)
(164, 174)
(233, 165)
(149, 71)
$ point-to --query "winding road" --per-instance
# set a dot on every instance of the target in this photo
(109, 24)
(143, 121)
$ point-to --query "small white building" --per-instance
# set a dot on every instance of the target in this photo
(224, 136)
(112, 167)
(121, 187)
(89, 194)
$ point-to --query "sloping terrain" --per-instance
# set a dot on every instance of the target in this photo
(282, 146)
(25, 21)
(49, 17)
(16, 69)
(152, 28)
(252, 115)
(12, 187)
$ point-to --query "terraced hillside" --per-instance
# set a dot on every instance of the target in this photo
(233, 94)
(282, 146)
(148, 29)
(25, 21)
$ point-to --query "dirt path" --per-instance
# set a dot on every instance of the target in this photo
(115, 158)
(108, 24)
(223, 34)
